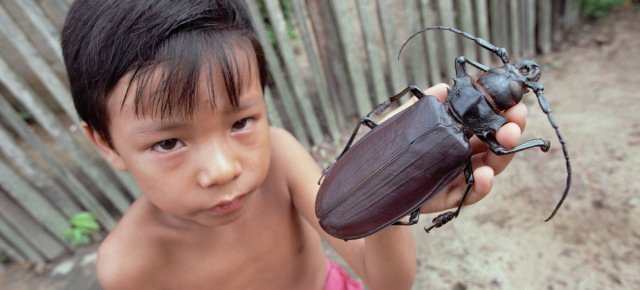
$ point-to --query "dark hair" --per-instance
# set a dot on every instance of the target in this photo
(102, 41)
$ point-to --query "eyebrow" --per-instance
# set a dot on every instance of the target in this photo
(158, 127)
(247, 102)
(169, 125)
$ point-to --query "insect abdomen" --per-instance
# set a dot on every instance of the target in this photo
(424, 151)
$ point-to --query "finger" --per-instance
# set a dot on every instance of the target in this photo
(508, 136)
(477, 146)
(517, 114)
(483, 182)
(440, 91)
(451, 197)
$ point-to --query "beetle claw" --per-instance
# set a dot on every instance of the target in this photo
(441, 220)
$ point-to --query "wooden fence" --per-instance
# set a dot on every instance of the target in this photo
(329, 61)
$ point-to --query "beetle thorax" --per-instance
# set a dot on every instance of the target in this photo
(504, 86)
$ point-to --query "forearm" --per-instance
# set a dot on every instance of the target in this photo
(389, 259)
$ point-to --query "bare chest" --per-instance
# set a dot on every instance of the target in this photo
(273, 250)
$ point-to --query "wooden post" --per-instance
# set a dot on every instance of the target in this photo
(71, 182)
(414, 57)
(529, 28)
(49, 246)
(272, 113)
(318, 74)
(278, 76)
(25, 195)
(20, 243)
(544, 26)
(392, 46)
(432, 46)
(11, 252)
(371, 29)
(482, 24)
(466, 24)
(41, 113)
(514, 30)
(350, 42)
(302, 96)
(38, 66)
(56, 10)
(450, 40)
(333, 59)
(499, 22)
(40, 31)
(38, 178)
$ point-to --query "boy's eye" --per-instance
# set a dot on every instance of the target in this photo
(241, 124)
(167, 145)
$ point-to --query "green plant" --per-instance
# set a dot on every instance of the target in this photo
(81, 228)
(599, 8)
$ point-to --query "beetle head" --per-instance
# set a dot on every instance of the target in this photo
(529, 70)
(506, 84)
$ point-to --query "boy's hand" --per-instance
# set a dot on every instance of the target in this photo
(486, 164)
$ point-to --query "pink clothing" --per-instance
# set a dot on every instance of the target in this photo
(339, 279)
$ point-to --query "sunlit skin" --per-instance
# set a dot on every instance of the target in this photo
(228, 202)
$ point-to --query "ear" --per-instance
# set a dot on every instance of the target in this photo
(104, 148)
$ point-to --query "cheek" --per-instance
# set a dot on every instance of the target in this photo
(258, 155)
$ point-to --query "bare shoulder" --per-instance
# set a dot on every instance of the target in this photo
(126, 259)
(288, 154)
(281, 138)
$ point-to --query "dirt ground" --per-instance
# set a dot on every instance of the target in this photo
(593, 86)
(593, 242)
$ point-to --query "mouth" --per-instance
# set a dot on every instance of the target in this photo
(230, 205)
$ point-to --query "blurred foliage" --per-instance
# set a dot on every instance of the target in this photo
(287, 11)
(81, 228)
(599, 8)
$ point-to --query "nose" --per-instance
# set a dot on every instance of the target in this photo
(219, 166)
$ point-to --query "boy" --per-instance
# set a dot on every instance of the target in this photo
(172, 92)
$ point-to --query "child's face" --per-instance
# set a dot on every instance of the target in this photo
(202, 169)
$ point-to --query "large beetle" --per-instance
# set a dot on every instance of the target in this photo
(402, 162)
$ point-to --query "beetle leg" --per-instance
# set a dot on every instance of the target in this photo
(413, 89)
(468, 176)
(461, 70)
(413, 218)
(444, 218)
(491, 141)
